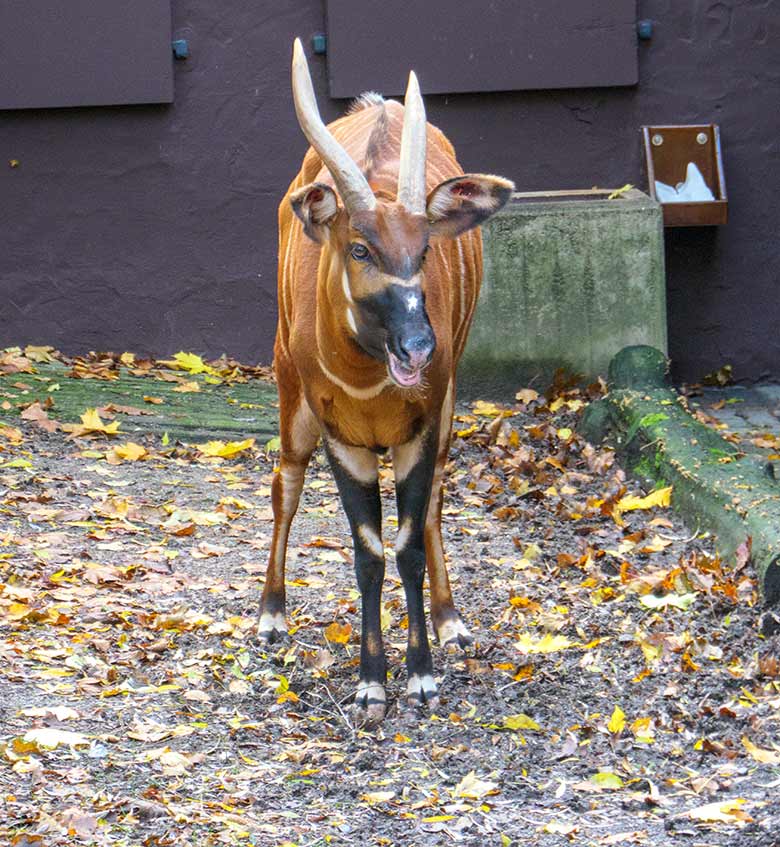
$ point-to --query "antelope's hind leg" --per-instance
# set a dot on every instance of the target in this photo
(299, 434)
(448, 625)
(356, 473)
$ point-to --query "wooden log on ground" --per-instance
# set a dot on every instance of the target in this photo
(716, 487)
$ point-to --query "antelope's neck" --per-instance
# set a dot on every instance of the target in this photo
(340, 358)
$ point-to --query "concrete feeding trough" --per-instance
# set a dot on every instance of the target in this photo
(571, 277)
(669, 151)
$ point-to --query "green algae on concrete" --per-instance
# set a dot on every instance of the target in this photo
(716, 487)
(568, 282)
(217, 411)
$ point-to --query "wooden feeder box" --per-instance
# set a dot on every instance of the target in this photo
(668, 150)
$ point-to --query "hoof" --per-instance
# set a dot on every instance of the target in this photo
(421, 691)
(272, 628)
(453, 635)
(370, 704)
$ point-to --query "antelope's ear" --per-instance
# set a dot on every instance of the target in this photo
(463, 202)
(316, 205)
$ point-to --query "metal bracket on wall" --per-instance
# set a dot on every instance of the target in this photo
(644, 30)
(319, 43)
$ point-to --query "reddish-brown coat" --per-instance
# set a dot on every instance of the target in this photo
(315, 352)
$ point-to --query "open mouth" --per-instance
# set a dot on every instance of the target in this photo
(400, 373)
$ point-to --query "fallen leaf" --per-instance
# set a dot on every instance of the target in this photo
(91, 424)
(548, 643)
(661, 497)
(35, 412)
(726, 811)
(520, 721)
(617, 722)
(766, 757)
(338, 633)
(225, 450)
(46, 738)
(473, 788)
(129, 452)
(607, 779)
(678, 601)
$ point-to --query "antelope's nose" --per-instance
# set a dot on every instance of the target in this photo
(416, 346)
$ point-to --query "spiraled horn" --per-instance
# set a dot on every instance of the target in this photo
(353, 187)
(411, 173)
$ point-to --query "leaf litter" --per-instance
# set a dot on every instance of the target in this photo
(618, 691)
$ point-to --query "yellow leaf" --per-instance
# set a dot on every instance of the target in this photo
(660, 497)
(45, 738)
(555, 828)
(767, 757)
(520, 721)
(374, 797)
(189, 362)
(39, 354)
(643, 730)
(11, 433)
(438, 818)
(225, 450)
(129, 452)
(727, 811)
(191, 516)
(385, 616)
(526, 395)
(464, 433)
(488, 410)
(60, 713)
(91, 424)
(188, 387)
(474, 788)
(617, 722)
(548, 643)
(606, 779)
(619, 192)
(175, 764)
(338, 633)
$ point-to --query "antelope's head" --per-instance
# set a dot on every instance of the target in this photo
(377, 245)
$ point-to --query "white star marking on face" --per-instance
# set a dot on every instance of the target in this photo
(412, 302)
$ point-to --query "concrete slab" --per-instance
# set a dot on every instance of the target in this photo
(569, 281)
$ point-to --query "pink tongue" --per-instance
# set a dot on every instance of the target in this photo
(401, 374)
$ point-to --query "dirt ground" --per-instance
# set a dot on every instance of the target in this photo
(618, 691)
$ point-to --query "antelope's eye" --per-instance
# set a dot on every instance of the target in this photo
(360, 252)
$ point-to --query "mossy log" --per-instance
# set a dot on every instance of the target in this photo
(716, 487)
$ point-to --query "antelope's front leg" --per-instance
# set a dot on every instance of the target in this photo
(355, 470)
(414, 464)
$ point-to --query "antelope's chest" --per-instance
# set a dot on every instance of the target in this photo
(384, 422)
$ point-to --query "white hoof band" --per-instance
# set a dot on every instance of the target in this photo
(453, 633)
(271, 625)
(421, 690)
(370, 705)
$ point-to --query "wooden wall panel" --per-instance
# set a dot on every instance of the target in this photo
(480, 45)
(84, 53)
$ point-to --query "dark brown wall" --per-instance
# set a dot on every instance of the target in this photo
(153, 228)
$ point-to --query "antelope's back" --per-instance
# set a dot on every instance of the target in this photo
(371, 134)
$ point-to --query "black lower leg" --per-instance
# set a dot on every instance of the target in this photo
(359, 492)
(413, 494)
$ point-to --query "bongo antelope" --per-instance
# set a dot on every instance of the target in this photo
(380, 264)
